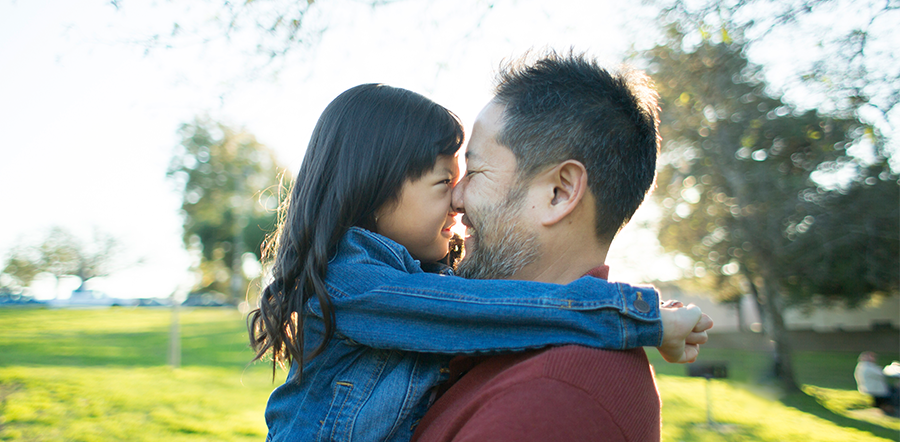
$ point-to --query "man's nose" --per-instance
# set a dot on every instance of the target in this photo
(456, 199)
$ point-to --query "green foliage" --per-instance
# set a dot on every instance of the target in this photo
(280, 25)
(266, 30)
(734, 165)
(737, 191)
(852, 243)
(61, 254)
(230, 187)
(849, 46)
(20, 269)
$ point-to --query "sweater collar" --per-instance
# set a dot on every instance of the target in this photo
(601, 271)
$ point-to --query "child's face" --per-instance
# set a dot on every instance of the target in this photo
(422, 217)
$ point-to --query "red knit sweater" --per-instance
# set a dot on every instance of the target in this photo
(567, 393)
(561, 394)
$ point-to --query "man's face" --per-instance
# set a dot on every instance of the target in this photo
(500, 242)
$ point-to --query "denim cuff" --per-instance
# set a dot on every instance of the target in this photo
(641, 303)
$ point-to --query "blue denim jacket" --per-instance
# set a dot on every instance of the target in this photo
(397, 328)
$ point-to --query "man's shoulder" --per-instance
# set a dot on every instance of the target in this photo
(578, 353)
(553, 361)
(545, 392)
(602, 374)
(594, 370)
(615, 388)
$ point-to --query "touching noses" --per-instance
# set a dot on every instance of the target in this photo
(456, 199)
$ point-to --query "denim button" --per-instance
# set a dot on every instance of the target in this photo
(641, 305)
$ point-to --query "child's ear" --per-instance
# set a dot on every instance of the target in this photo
(567, 185)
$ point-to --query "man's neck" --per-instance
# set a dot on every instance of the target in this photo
(563, 264)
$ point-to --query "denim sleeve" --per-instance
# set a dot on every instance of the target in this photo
(381, 307)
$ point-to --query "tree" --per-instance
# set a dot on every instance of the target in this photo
(851, 243)
(62, 254)
(735, 182)
(844, 51)
(229, 184)
(267, 30)
(21, 267)
(271, 34)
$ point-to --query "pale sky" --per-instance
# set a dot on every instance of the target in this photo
(89, 119)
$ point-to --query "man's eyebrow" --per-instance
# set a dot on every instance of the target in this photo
(470, 155)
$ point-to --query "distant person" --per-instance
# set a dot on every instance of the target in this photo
(367, 334)
(871, 381)
(893, 370)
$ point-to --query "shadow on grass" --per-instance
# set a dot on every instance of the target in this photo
(721, 432)
(809, 404)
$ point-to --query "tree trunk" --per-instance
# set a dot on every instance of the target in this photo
(175, 333)
(739, 309)
(784, 369)
(82, 275)
(754, 290)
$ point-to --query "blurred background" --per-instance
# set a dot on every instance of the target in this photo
(147, 143)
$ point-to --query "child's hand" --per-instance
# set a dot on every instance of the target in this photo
(684, 330)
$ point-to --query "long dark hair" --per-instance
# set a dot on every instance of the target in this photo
(366, 144)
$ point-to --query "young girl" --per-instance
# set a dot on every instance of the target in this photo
(366, 332)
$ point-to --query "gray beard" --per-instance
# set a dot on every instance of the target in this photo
(502, 246)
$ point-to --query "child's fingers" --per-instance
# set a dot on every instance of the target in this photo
(705, 323)
(697, 338)
(672, 303)
(691, 351)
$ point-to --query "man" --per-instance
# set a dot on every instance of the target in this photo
(557, 162)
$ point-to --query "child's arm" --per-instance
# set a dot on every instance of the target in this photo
(382, 307)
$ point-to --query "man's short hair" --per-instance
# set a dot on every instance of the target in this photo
(561, 107)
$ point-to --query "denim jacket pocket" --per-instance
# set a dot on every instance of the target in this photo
(335, 426)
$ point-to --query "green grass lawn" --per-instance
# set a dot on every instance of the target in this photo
(751, 408)
(101, 375)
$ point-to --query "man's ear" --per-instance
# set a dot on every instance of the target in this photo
(568, 184)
